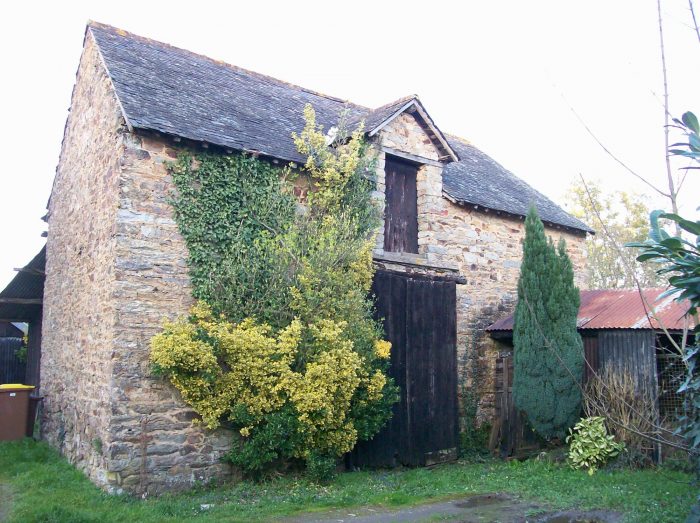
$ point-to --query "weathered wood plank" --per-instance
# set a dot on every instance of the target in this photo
(420, 321)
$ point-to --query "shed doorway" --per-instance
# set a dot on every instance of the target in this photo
(420, 322)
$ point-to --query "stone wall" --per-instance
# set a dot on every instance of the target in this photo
(487, 248)
(116, 267)
(155, 445)
(78, 327)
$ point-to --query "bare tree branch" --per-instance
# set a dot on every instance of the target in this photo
(682, 180)
(612, 155)
(695, 22)
(672, 193)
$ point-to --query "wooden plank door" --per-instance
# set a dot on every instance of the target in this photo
(590, 354)
(420, 321)
(401, 209)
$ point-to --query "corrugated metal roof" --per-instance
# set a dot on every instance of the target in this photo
(622, 309)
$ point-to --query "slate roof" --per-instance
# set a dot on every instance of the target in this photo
(621, 309)
(479, 180)
(169, 90)
(377, 116)
(166, 89)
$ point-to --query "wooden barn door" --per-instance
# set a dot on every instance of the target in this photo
(420, 321)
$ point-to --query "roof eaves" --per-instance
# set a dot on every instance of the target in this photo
(451, 153)
(220, 146)
(485, 208)
(21, 299)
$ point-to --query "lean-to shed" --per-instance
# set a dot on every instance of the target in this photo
(622, 330)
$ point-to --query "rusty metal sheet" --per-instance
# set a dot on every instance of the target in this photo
(623, 309)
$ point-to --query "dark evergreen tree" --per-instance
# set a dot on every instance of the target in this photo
(548, 351)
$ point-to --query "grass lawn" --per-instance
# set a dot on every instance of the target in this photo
(39, 486)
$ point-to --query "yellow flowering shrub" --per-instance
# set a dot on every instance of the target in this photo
(331, 168)
(220, 368)
(382, 349)
(321, 396)
(375, 385)
(177, 348)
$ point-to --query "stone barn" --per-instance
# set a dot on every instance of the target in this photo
(116, 265)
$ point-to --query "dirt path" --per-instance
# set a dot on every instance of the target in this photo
(488, 508)
(5, 502)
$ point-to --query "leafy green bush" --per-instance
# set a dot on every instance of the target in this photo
(21, 354)
(228, 209)
(321, 469)
(679, 260)
(590, 445)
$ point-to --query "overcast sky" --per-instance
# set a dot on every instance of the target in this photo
(504, 75)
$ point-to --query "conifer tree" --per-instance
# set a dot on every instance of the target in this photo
(548, 351)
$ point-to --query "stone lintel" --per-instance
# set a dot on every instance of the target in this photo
(411, 157)
(417, 264)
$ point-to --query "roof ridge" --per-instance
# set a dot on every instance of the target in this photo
(92, 24)
(397, 101)
(465, 141)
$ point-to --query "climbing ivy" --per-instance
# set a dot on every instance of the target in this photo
(229, 209)
(282, 344)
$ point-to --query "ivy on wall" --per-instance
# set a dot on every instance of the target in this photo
(229, 209)
(282, 344)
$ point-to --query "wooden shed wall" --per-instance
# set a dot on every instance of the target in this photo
(632, 350)
(629, 350)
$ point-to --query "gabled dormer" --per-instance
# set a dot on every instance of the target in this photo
(408, 116)
(412, 152)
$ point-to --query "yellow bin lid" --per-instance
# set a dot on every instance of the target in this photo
(16, 386)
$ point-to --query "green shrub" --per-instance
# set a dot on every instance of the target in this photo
(321, 468)
(548, 351)
(590, 445)
(21, 354)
